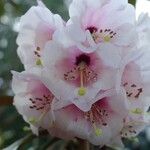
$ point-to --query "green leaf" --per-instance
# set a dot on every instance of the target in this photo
(2, 8)
(15, 145)
(133, 2)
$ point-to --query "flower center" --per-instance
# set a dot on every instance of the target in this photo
(97, 114)
(40, 104)
(38, 56)
(83, 58)
(102, 35)
(92, 29)
(82, 89)
(128, 131)
(133, 90)
(82, 73)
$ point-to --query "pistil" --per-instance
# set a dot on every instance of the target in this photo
(82, 89)
(98, 131)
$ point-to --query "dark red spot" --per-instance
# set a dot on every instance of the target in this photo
(83, 58)
(92, 29)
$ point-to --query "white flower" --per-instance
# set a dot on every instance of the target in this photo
(93, 23)
(33, 100)
(78, 77)
(98, 125)
(87, 78)
(37, 27)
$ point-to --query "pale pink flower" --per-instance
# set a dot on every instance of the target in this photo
(134, 73)
(135, 83)
(131, 128)
(33, 100)
(135, 86)
(88, 78)
(78, 77)
(93, 23)
(37, 27)
(99, 124)
(38, 107)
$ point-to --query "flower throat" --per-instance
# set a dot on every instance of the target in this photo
(81, 73)
(82, 61)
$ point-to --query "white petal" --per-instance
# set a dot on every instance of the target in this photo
(111, 55)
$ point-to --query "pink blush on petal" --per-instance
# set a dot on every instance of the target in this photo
(132, 81)
(37, 88)
(40, 96)
(131, 73)
(68, 67)
(44, 33)
(100, 111)
(73, 111)
(86, 21)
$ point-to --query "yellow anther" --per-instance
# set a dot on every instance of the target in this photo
(107, 38)
(137, 111)
(82, 91)
(38, 62)
(98, 132)
(32, 120)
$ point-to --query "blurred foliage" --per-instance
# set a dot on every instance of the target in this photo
(132, 2)
(12, 126)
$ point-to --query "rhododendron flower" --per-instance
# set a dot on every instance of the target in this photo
(135, 82)
(37, 27)
(76, 76)
(33, 100)
(37, 104)
(135, 78)
(131, 128)
(137, 89)
(98, 124)
(88, 78)
(93, 23)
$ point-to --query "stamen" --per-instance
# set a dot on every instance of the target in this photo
(37, 54)
(95, 115)
(42, 105)
(137, 111)
(103, 35)
(42, 115)
(82, 66)
(38, 62)
(132, 90)
(82, 89)
(98, 131)
(128, 131)
(38, 48)
(107, 38)
(33, 120)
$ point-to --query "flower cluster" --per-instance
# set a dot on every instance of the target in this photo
(88, 77)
